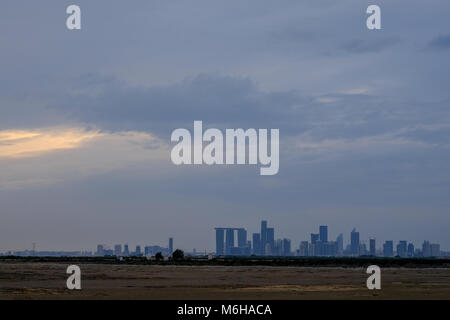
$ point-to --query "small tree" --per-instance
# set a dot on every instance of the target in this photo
(178, 255)
(158, 256)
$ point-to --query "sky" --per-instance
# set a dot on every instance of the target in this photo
(86, 117)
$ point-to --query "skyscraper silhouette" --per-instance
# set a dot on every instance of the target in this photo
(220, 237)
(229, 240)
(271, 238)
(354, 242)
(340, 244)
(323, 234)
(242, 237)
(257, 244)
(263, 234)
(372, 250)
(388, 248)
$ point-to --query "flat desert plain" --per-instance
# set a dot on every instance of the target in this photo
(35, 280)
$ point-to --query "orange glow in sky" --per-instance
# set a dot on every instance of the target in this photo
(24, 143)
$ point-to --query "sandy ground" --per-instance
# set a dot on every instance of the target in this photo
(102, 281)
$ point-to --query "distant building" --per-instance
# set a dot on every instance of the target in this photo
(329, 249)
(268, 250)
(319, 248)
(229, 240)
(286, 247)
(242, 237)
(402, 248)
(314, 238)
(363, 249)
(372, 248)
(388, 248)
(126, 252)
(271, 237)
(323, 234)
(100, 250)
(435, 250)
(228, 247)
(153, 250)
(220, 240)
(354, 242)
(118, 250)
(277, 249)
(426, 249)
(263, 235)
(340, 244)
(410, 250)
(257, 244)
(138, 251)
(304, 249)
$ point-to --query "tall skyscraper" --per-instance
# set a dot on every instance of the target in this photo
(402, 249)
(126, 252)
(314, 238)
(263, 234)
(372, 250)
(388, 248)
(286, 247)
(271, 237)
(410, 250)
(257, 244)
(426, 249)
(138, 250)
(318, 248)
(220, 240)
(354, 242)
(323, 234)
(242, 237)
(229, 240)
(340, 244)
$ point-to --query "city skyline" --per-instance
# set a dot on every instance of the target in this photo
(238, 241)
(265, 243)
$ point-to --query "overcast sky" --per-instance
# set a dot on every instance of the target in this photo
(86, 118)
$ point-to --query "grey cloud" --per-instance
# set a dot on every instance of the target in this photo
(369, 45)
(440, 42)
(218, 100)
(237, 102)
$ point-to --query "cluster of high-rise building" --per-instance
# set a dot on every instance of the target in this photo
(235, 242)
(118, 251)
(226, 244)
(264, 244)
